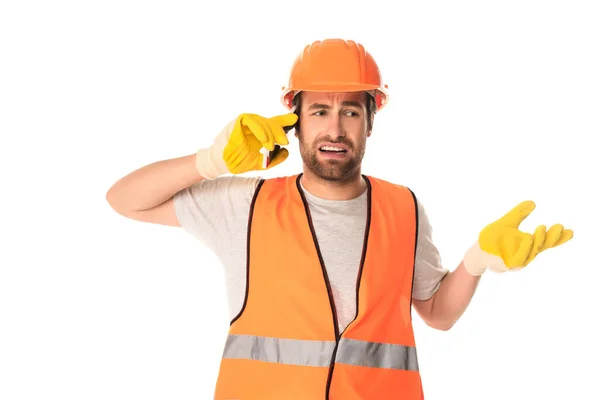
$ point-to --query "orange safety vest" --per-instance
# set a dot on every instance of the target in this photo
(285, 343)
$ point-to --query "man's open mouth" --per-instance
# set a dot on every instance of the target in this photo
(332, 149)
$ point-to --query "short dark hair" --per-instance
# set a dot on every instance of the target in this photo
(371, 108)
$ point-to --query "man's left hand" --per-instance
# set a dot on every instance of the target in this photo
(503, 247)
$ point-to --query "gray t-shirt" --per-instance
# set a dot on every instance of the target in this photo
(216, 212)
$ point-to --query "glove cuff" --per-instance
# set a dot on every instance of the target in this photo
(209, 164)
(474, 260)
(477, 261)
(209, 161)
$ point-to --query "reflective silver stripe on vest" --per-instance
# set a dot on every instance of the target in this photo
(318, 353)
(279, 350)
(379, 355)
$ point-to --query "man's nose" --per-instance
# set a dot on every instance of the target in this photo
(335, 129)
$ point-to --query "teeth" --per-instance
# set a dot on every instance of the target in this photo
(331, 148)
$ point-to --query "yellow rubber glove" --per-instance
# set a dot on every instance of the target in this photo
(250, 134)
(237, 148)
(503, 247)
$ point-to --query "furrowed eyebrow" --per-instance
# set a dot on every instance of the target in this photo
(319, 106)
(352, 104)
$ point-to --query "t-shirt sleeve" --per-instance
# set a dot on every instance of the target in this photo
(211, 208)
(429, 270)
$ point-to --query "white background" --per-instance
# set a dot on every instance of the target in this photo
(491, 103)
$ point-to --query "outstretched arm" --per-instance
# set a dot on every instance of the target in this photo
(501, 247)
(450, 301)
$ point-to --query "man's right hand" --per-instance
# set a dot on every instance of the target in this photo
(237, 148)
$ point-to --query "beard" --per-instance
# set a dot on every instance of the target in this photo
(331, 169)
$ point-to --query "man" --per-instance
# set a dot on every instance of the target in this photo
(322, 267)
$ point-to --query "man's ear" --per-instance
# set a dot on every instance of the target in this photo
(371, 126)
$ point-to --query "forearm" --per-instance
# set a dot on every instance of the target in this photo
(153, 184)
(452, 298)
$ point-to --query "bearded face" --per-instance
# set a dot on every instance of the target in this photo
(333, 131)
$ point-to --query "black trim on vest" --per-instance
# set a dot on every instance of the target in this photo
(327, 283)
(365, 243)
(358, 277)
(416, 244)
(321, 261)
(252, 204)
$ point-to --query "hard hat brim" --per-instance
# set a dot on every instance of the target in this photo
(291, 92)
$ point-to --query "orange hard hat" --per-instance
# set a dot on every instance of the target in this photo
(335, 65)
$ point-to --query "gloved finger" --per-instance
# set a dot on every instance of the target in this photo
(565, 237)
(267, 127)
(249, 162)
(260, 130)
(539, 238)
(230, 152)
(238, 156)
(280, 157)
(538, 243)
(237, 134)
(518, 260)
(552, 236)
(233, 157)
(514, 217)
(285, 119)
(279, 134)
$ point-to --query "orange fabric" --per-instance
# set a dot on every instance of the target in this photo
(288, 297)
(384, 299)
(252, 380)
(335, 65)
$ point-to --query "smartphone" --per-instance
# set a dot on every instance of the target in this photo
(269, 155)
